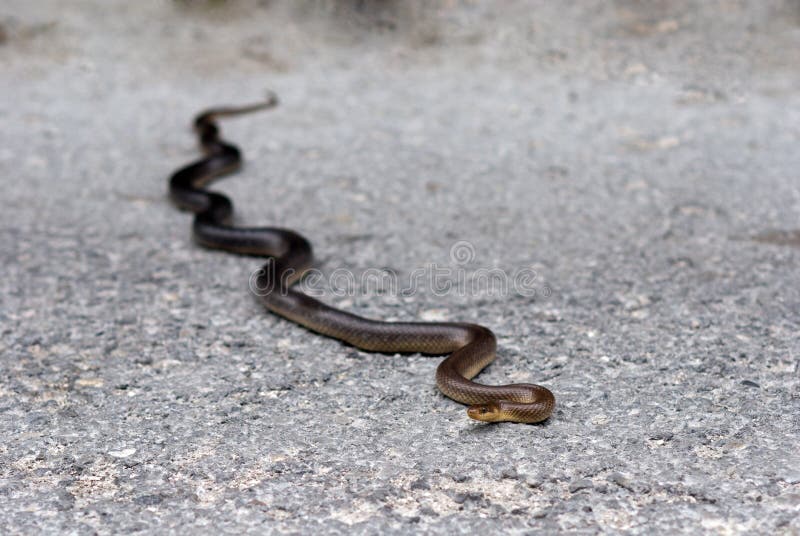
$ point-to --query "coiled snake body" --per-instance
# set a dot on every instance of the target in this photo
(471, 347)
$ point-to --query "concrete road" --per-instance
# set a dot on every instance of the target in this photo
(637, 160)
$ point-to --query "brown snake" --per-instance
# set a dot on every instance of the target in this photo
(471, 347)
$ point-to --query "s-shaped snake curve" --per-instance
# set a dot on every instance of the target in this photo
(470, 347)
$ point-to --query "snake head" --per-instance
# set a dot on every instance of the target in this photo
(489, 412)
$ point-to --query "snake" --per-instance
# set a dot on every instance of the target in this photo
(469, 347)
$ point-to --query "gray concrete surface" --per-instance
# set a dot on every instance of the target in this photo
(641, 157)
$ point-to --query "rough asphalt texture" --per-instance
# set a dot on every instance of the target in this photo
(641, 157)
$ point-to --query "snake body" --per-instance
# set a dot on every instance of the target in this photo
(470, 347)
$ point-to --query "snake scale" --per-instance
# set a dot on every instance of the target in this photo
(470, 347)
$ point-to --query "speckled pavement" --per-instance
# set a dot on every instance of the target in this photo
(640, 158)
